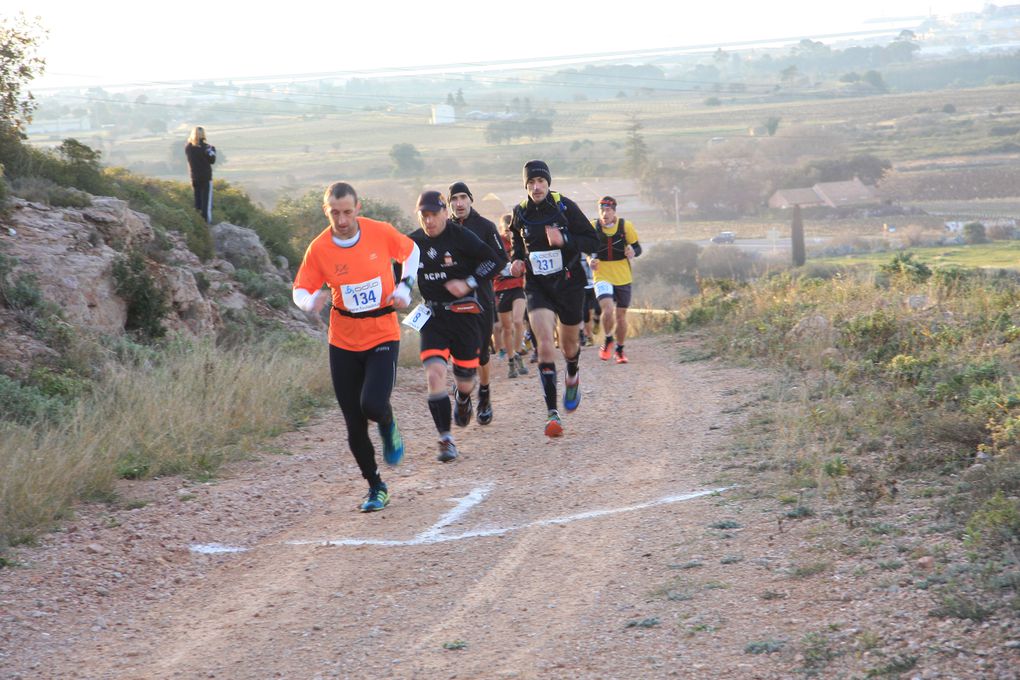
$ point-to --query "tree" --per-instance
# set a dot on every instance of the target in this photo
(874, 78)
(771, 125)
(636, 149)
(19, 65)
(797, 238)
(460, 98)
(406, 159)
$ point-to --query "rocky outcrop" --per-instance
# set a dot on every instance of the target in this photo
(70, 253)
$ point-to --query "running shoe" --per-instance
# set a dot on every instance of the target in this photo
(553, 426)
(377, 498)
(589, 341)
(521, 368)
(502, 354)
(484, 412)
(447, 451)
(621, 358)
(512, 369)
(462, 413)
(606, 351)
(572, 394)
(392, 442)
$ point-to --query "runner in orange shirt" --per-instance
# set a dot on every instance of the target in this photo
(354, 257)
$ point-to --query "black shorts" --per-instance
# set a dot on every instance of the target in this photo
(505, 299)
(485, 322)
(567, 301)
(590, 304)
(621, 296)
(450, 335)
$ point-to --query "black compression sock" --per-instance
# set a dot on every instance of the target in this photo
(547, 372)
(442, 412)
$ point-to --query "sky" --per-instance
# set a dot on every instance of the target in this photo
(109, 42)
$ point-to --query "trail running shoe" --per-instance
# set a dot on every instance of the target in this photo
(512, 369)
(447, 451)
(605, 351)
(572, 394)
(376, 499)
(553, 426)
(522, 369)
(502, 354)
(589, 341)
(462, 413)
(484, 412)
(621, 358)
(393, 443)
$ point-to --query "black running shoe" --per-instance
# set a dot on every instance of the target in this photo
(462, 413)
(447, 451)
(484, 412)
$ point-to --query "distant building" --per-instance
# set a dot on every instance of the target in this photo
(60, 125)
(833, 194)
(443, 114)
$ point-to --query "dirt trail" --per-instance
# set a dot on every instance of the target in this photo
(567, 558)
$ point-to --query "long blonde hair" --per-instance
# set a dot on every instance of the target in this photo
(197, 135)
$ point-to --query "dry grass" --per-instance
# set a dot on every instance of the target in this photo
(188, 414)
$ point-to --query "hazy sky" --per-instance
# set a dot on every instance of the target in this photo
(111, 42)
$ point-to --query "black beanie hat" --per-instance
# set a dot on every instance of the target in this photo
(537, 169)
(459, 188)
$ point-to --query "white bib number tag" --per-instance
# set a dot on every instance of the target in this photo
(418, 316)
(362, 297)
(546, 262)
(603, 288)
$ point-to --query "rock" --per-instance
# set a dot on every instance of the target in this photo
(927, 562)
(96, 549)
(241, 247)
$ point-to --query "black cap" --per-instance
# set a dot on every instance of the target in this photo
(460, 188)
(537, 169)
(431, 201)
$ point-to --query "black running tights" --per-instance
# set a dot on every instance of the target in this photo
(363, 382)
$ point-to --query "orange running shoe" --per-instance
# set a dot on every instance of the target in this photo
(606, 351)
(621, 358)
(553, 427)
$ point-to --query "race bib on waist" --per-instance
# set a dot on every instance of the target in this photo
(603, 288)
(362, 297)
(418, 317)
(546, 262)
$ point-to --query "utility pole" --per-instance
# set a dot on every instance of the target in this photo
(676, 208)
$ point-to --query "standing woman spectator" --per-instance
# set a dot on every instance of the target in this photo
(201, 156)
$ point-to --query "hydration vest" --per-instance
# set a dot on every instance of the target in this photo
(560, 210)
(612, 247)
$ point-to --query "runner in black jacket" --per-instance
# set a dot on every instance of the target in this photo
(550, 235)
(466, 216)
(452, 265)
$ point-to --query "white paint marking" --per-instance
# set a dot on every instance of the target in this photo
(215, 549)
(435, 533)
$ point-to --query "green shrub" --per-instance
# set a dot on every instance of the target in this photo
(146, 302)
(974, 233)
(904, 265)
(27, 404)
(275, 292)
(43, 190)
(18, 291)
(995, 523)
(873, 335)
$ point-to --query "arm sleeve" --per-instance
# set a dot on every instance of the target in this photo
(305, 300)
(487, 265)
(309, 280)
(583, 238)
(496, 244)
(517, 241)
(409, 267)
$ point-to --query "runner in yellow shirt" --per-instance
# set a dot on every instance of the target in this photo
(611, 265)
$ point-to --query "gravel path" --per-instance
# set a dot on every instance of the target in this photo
(526, 558)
